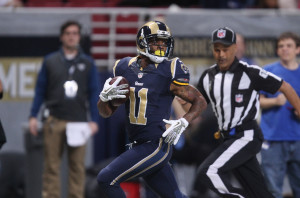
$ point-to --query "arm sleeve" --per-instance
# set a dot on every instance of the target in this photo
(264, 81)
(40, 91)
(94, 90)
(180, 72)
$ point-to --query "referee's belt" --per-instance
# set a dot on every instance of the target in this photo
(233, 131)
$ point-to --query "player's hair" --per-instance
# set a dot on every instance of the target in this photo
(289, 35)
(67, 24)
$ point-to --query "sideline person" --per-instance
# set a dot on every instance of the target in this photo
(67, 80)
(281, 127)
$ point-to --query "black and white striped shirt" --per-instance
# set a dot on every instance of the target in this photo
(234, 93)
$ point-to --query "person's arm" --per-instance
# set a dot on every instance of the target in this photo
(105, 108)
(191, 95)
(291, 96)
(110, 92)
(93, 92)
(180, 106)
(93, 86)
(198, 104)
(266, 103)
(40, 92)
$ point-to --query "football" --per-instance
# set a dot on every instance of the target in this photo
(118, 101)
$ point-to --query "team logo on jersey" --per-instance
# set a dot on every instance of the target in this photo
(140, 75)
(239, 98)
(136, 83)
(185, 69)
(221, 33)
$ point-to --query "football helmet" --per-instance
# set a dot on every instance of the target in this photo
(150, 33)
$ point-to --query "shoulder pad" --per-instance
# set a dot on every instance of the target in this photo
(122, 64)
(180, 72)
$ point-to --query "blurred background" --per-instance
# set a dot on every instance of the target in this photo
(29, 30)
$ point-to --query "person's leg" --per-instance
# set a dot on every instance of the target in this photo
(163, 183)
(250, 177)
(141, 160)
(54, 139)
(293, 168)
(217, 181)
(233, 153)
(76, 171)
(273, 163)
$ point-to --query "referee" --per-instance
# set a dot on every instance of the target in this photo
(232, 87)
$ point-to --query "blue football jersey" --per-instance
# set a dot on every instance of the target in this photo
(150, 96)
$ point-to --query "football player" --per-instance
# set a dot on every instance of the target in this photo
(154, 80)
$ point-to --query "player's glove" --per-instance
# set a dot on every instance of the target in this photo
(113, 91)
(173, 133)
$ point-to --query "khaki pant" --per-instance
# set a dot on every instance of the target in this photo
(54, 144)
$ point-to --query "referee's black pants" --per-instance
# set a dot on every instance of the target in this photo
(237, 155)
